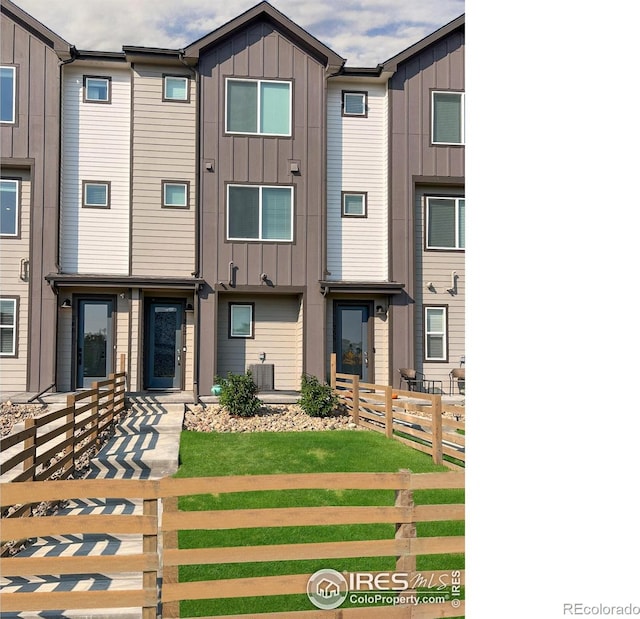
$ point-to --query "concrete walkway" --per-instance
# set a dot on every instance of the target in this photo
(145, 446)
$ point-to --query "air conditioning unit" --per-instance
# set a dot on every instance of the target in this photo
(262, 375)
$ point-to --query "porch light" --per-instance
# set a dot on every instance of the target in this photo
(66, 304)
(381, 312)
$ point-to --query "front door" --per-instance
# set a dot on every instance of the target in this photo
(94, 349)
(354, 339)
(163, 348)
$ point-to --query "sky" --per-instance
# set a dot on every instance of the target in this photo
(365, 32)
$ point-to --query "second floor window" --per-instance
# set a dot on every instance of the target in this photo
(9, 207)
(258, 107)
(96, 194)
(447, 118)
(354, 103)
(8, 325)
(259, 213)
(8, 95)
(175, 194)
(97, 89)
(176, 88)
(445, 223)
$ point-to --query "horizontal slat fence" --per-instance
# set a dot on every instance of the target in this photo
(167, 557)
(411, 417)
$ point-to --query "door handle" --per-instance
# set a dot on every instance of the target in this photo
(366, 360)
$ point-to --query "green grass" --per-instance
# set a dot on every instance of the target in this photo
(211, 454)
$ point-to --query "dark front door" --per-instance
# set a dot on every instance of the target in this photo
(163, 350)
(354, 339)
(94, 349)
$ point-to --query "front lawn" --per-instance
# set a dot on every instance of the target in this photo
(211, 454)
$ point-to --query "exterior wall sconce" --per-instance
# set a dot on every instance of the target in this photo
(263, 356)
(24, 269)
(381, 312)
(294, 166)
(189, 308)
(454, 283)
(66, 304)
(210, 166)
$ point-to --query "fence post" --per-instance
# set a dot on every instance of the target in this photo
(70, 435)
(170, 572)
(30, 443)
(332, 377)
(356, 399)
(436, 429)
(406, 562)
(150, 545)
(388, 410)
(123, 362)
(95, 404)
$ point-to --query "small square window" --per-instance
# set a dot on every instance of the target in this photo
(354, 103)
(96, 194)
(9, 210)
(8, 327)
(97, 89)
(8, 95)
(241, 320)
(354, 204)
(447, 118)
(175, 194)
(176, 88)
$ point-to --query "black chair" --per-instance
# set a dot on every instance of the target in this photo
(417, 381)
(457, 375)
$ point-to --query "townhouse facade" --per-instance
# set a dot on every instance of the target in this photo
(250, 201)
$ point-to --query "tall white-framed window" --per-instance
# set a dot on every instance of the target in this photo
(8, 327)
(97, 89)
(259, 213)
(258, 107)
(9, 207)
(176, 88)
(445, 219)
(241, 320)
(447, 117)
(8, 94)
(435, 333)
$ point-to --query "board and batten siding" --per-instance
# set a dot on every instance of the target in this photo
(277, 333)
(13, 370)
(164, 148)
(357, 159)
(95, 147)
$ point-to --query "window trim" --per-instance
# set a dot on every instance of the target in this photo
(257, 81)
(445, 334)
(97, 206)
(14, 327)
(106, 78)
(365, 94)
(230, 239)
(457, 198)
(364, 215)
(252, 323)
(187, 193)
(14, 120)
(462, 117)
(18, 182)
(166, 98)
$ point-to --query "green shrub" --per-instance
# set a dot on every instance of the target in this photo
(238, 394)
(316, 399)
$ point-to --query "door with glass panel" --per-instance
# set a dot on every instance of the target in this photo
(353, 341)
(95, 341)
(164, 347)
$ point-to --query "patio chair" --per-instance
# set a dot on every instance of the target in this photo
(417, 381)
(456, 376)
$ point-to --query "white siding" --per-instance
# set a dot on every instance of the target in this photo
(95, 146)
(164, 148)
(13, 370)
(357, 154)
(277, 328)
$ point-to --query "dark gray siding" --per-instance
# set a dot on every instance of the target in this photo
(35, 137)
(261, 51)
(413, 157)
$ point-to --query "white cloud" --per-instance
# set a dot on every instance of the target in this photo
(342, 25)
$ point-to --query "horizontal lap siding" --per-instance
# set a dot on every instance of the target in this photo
(13, 371)
(357, 161)
(164, 148)
(277, 333)
(95, 146)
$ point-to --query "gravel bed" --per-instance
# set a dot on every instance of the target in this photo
(10, 414)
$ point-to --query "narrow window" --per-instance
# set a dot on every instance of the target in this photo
(175, 194)
(354, 103)
(96, 194)
(97, 89)
(258, 107)
(9, 207)
(176, 88)
(259, 213)
(241, 320)
(354, 204)
(445, 219)
(435, 336)
(8, 322)
(8, 95)
(447, 118)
